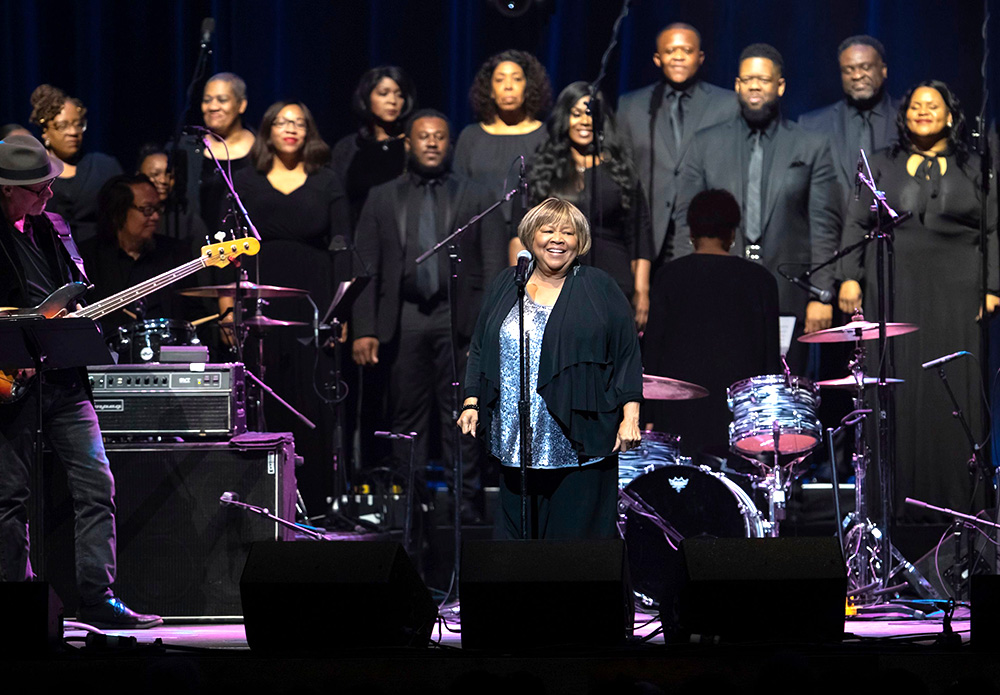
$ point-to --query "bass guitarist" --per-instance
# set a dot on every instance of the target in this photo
(37, 257)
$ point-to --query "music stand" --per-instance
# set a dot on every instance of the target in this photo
(32, 342)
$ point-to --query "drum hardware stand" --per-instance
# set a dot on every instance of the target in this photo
(633, 501)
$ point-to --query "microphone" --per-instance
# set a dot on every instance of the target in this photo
(825, 296)
(521, 274)
(207, 29)
(228, 498)
(522, 184)
(857, 175)
(944, 360)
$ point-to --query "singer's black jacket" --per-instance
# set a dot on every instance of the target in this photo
(590, 365)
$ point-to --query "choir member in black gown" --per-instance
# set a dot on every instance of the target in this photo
(223, 103)
(713, 321)
(938, 277)
(383, 100)
(509, 96)
(564, 166)
(297, 205)
(63, 121)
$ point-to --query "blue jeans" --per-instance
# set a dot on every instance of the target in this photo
(70, 426)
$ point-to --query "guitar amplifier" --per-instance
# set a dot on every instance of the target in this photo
(170, 399)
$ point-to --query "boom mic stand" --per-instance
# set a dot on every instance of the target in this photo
(451, 241)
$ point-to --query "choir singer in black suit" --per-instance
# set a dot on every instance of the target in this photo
(660, 120)
(402, 317)
(784, 180)
(864, 118)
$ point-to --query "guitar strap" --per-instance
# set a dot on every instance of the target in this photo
(66, 237)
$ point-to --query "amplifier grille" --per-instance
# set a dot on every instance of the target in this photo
(184, 414)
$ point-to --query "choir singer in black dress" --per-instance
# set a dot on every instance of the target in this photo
(938, 276)
(297, 205)
(566, 166)
(585, 381)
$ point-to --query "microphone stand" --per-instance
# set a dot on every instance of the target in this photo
(452, 241)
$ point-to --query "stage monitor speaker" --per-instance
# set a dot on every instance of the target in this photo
(33, 618)
(763, 590)
(985, 614)
(315, 596)
(528, 594)
(180, 553)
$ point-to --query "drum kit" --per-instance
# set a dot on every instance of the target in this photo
(664, 497)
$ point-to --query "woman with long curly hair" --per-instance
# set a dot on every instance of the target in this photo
(63, 121)
(509, 94)
(937, 267)
(566, 166)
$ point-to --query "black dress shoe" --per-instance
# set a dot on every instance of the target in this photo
(112, 614)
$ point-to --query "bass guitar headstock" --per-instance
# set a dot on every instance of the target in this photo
(223, 252)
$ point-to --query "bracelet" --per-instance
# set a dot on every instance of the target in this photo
(471, 406)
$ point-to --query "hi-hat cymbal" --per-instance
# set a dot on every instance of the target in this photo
(849, 382)
(261, 321)
(857, 330)
(662, 388)
(246, 289)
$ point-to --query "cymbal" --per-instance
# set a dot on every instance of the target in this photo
(662, 388)
(857, 330)
(848, 382)
(261, 321)
(246, 289)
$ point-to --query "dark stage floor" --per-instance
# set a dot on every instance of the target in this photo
(887, 655)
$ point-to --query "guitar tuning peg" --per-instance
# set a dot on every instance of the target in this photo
(220, 236)
(208, 240)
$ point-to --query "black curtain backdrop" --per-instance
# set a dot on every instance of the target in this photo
(130, 61)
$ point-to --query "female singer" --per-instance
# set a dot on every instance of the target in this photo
(383, 100)
(585, 379)
(63, 121)
(508, 95)
(297, 204)
(565, 166)
(930, 173)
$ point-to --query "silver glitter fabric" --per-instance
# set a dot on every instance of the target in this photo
(549, 446)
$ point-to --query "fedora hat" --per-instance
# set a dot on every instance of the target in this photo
(24, 161)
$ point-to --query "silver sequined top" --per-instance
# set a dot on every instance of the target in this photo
(549, 446)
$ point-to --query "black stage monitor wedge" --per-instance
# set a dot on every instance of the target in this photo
(763, 589)
(520, 595)
(318, 596)
(985, 619)
(33, 619)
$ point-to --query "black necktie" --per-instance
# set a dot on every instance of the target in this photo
(755, 173)
(867, 139)
(428, 281)
(677, 118)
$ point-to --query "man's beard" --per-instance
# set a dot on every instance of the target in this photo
(761, 117)
(865, 104)
(424, 171)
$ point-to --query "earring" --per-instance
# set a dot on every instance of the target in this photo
(46, 142)
(949, 124)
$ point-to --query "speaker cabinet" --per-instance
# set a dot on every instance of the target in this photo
(180, 553)
(763, 589)
(527, 594)
(317, 596)
(33, 619)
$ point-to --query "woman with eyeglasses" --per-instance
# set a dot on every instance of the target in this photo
(63, 121)
(298, 205)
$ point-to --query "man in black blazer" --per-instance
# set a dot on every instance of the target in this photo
(660, 120)
(402, 318)
(784, 180)
(865, 117)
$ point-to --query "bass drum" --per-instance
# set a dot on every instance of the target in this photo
(690, 502)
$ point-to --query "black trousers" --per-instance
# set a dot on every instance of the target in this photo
(420, 388)
(563, 503)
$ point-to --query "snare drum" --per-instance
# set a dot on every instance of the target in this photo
(692, 501)
(140, 341)
(763, 404)
(656, 449)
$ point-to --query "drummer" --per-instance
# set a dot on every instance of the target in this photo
(713, 322)
(127, 251)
